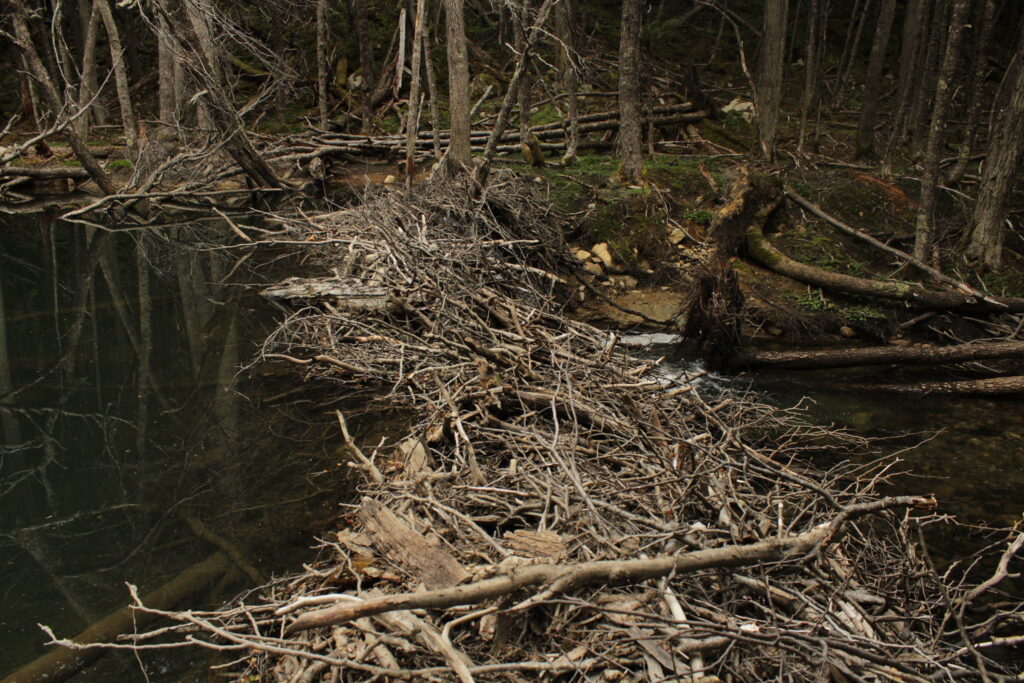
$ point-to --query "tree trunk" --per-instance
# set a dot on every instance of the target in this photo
(993, 386)
(850, 44)
(908, 72)
(24, 39)
(930, 56)
(1004, 152)
(87, 86)
(629, 146)
(413, 116)
(520, 18)
(873, 82)
(458, 84)
(321, 61)
(924, 234)
(770, 75)
(879, 355)
(435, 114)
(987, 12)
(124, 99)
(362, 26)
(168, 92)
(810, 71)
(567, 65)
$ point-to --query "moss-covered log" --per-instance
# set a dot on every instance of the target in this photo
(877, 355)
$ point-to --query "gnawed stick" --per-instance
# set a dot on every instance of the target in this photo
(565, 577)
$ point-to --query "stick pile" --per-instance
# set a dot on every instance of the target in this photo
(560, 509)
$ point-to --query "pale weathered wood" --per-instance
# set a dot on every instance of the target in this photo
(407, 548)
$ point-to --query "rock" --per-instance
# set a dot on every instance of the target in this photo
(847, 331)
(899, 342)
(390, 180)
(583, 255)
(676, 236)
(774, 331)
(624, 281)
(593, 268)
(602, 252)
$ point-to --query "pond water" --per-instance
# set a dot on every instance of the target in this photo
(969, 451)
(132, 437)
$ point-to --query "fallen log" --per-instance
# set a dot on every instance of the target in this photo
(991, 386)
(61, 663)
(936, 274)
(877, 355)
(43, 172)
(762, 252)
(559, 578)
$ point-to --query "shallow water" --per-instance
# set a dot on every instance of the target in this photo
(125, 414)
(969, 451)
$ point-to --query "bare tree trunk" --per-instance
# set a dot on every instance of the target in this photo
(924, 235)
(87, 86)
(362, 26)
(321, 60)
(770, 75)
(629, 147)
(120, 75)
(567, 58)
(519, 19)
(972, 106)
(873, 82)
(56, 103)
(168, 95)
(850, 44)
(458, 84)
(412, 127)
(435, 114)
(929, 77)
(908, 75)
(985, 241)
(810, 71)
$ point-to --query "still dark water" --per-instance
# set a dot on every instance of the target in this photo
(127, 417)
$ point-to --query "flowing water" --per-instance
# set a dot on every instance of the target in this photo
(969, 451)
(131, 436)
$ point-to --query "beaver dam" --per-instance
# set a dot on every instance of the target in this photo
(557, 508)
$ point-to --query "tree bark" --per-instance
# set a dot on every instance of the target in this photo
(983, 36)
(873, 82)
(87, 86)
(770, 75)
(810, 71)
(321, 61)
(908, 73)
(629, 146)
(879, 355)
(435, 114)
(413, 114)
(458, 84)
(568, 71)
(985, 242)
(362, 26)
(168, 91)
(930, 55)
(924, 234)
(124, 99)
(993, 386)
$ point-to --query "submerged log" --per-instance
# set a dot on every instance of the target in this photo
(877, 355)
(61, 663)
(350, 295)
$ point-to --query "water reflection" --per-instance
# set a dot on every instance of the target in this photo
(132, 444)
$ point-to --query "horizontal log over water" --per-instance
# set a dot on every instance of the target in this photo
(877, 355)
(992, 386)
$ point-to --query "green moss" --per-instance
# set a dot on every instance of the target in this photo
(545, 115)
(120, 164)
(1006, 283)
(759, 249)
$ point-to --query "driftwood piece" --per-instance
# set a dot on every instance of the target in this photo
(876, 355)
(350, 295)
(406, 547)
(559, 578)
(44, 172)
(539, 544)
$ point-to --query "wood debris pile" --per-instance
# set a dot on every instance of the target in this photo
(560, 509)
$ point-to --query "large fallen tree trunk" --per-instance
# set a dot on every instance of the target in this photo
(877, 355)
(992, 386)
(761, 251)
(61, 663)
